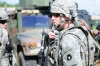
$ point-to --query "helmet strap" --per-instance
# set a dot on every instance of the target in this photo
(60, 21)
(72, 19)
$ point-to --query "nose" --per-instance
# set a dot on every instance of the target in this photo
(5, 24)
(52, 18)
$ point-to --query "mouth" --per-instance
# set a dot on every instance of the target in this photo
(54, 22)
(4, 26)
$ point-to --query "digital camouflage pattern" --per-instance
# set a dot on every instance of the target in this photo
(3, 41)
(74, 47)
(3, 33)
(66, 7)
(3, 14)
(76, 50)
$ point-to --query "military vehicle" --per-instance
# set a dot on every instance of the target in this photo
(27, 37)
(26, 29)
(26, 26)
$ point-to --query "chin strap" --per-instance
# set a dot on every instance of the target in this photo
(61, 15)
(58, 26)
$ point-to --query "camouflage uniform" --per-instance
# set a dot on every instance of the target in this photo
(97, 63)
(3, 33)
(73, 46)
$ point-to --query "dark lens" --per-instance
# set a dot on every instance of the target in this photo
(56, 14)
(3, 21)
(10, 15)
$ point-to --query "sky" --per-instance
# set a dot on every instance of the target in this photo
(92, 6)
(11, 1)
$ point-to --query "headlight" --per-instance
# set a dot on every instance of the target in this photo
(32, 45)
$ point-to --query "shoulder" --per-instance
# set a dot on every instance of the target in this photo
(75, 32)
(69, 37)
(5, 32)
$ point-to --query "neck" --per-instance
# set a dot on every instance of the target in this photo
(67, 25)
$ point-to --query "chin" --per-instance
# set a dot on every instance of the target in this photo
(55, 25)
(4, 27)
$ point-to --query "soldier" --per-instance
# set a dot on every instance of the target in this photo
(97, 33)
(73, 45)
(3, 32)
(97, 36)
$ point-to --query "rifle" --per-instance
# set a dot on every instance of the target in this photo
(41, 55)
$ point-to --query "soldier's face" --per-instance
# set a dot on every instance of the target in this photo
(56, 19)
(4, 24)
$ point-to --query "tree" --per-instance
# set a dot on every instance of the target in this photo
(4, 4)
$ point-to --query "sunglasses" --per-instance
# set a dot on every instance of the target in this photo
(11, 15)
(3, 21)
(56, 14)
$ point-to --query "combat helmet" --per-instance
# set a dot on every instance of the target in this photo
(3, 14)
(66, 7)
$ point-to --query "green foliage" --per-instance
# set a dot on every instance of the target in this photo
(93, 27)
(4, 4)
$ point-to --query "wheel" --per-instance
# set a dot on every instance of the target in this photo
(27, 60)
(31, 61)
(21, 59)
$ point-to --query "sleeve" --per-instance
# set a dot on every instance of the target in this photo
(71, 51)
(1, 32)
(4, 41)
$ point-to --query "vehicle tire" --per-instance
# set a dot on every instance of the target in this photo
(27, 60)
(21, 59)
(31, 61)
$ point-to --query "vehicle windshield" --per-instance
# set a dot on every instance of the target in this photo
(35, 21)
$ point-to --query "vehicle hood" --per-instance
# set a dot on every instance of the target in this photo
(30, 36)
